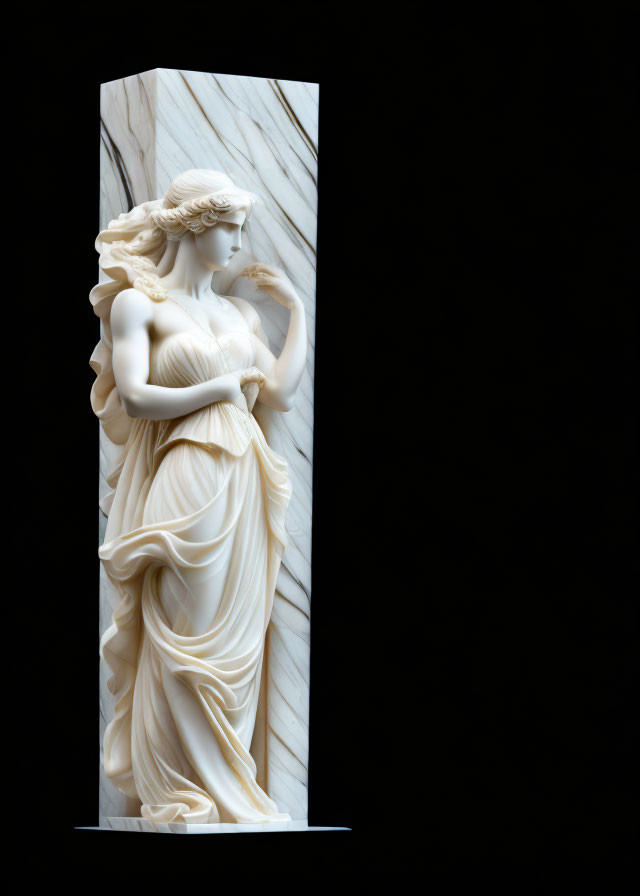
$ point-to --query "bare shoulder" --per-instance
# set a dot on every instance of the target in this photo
(131, 309)
(247, 310)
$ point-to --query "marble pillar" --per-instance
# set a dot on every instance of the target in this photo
(263, 134)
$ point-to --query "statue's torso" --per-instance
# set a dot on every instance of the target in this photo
(191, 345)
(182, 314)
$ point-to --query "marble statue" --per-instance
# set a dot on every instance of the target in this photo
(195, 530)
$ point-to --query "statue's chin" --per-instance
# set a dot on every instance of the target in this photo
(213, 266)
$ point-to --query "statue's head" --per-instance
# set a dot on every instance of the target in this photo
(205, 206)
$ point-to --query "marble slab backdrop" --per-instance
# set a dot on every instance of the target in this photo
(263, 133)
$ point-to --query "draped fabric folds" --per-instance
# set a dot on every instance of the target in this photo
(193, 544)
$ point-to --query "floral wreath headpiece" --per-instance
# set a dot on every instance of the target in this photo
(194, 215)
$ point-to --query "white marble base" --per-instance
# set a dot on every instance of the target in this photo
(141, 825)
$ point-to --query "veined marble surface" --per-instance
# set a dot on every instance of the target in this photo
(263, 133)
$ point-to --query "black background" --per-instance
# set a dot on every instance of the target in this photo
(474, 445)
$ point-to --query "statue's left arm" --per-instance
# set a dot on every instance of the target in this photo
(283, 374)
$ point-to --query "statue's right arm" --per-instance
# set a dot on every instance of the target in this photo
(131, 318)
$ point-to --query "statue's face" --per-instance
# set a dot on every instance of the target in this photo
(218, 244)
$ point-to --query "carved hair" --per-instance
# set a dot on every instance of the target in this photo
(197, 212)
(132, 245)
(130, 250)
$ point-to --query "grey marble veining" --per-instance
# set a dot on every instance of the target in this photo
(263, 133)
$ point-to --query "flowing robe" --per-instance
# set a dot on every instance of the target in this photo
(194, 540)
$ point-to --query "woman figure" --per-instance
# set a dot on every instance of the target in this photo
(195, 531)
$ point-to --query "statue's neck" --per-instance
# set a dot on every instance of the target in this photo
(182, 269)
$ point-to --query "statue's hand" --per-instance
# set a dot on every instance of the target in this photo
(231, 385)
(250, 375)
(274, 283)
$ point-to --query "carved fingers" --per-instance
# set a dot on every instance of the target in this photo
(273, 282)
(253, 270)
(251, 375)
